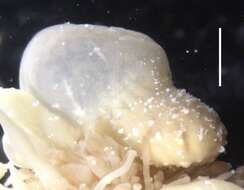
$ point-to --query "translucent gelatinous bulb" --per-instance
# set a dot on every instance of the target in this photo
(73, 67)
(119, 81)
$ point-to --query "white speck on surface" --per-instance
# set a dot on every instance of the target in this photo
(221, 149)
(82, 186)
(139, 141)
(93, 162)
(168, 122)
(207, 182)
(55, 87)
(173, 99)
(126, 148)
(78, 112)
(9, 114)
(136, 186)
(180, 141)
(118, 115)
(179, 153)
(151, 123)
(149, 100)
(167, 89)
(90, 53)
(63, 43)
(140, 124)
(126, 138)
(158, 136)
(56, 105)
(201, 133)
(121, 131)
(135, 132)
(98, 51)
(174, 116)
(185, 110)
(54, 118)
(35, 103)
(112, 152)
(160, 114)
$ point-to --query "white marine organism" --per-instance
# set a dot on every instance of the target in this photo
(97, 109)
(120, 81)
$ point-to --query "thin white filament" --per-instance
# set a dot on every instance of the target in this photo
(118, 172)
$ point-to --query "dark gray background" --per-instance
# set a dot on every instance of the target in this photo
(179, 26)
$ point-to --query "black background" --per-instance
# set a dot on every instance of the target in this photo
(188, 30)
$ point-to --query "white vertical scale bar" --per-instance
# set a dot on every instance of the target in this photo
(220, 57)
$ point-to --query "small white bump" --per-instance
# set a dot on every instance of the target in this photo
(135, 132)
(185, 110)
(83, 185)
(160, 114)
(126, 148)
(54, 118)
(151, 123)
(201, 133)
(179, 153)
(93, 162)
(118, 115)
(35, 103)
(158, 136)
(221, 149)
(112, 152)
(106, 148)
(55, 87)
(174, 116)
(56, 105)
(139, 141)
(126, 138)
(137, 186)
(140, 124)
(121, 131)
